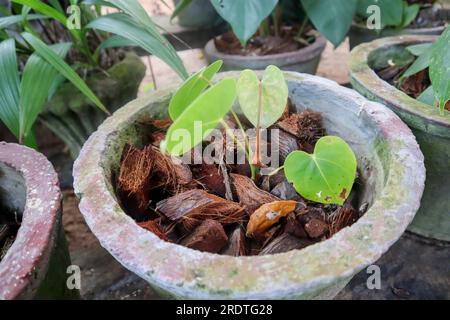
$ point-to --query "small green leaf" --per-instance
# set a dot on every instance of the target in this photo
(440, 69)
(43, 8)
(192, 88)
(419, 49)
(10, 20)
(421, 63)
(428, 96)
(410, 13)
(327, 175)
(263, 102)
(202, 115)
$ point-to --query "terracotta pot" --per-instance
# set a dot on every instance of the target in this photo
(35, 266)
(360, 34)
(389, 158)
(431, 129)
(305, 60)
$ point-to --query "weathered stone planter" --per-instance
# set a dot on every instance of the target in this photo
(431, 129)
(73, 118)
(360, 34)
(305, 60)
(391, 166)
(35, 265)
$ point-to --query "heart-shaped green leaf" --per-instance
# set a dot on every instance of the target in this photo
(327, 175)
(440, 68)
(201, 116)
(263, 102)
(192, 88)
(245, 16)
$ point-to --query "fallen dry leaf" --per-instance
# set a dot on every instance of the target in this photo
(269, 214)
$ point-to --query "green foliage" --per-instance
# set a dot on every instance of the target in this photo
(244, 16)
(263, 102)
(428, 96)
(421, 63)
(440, 69)
(394, 13)
(332, 18)
(5, 22)
(180, 7)
(191, 89)
(204, 114)
(419, 49)
(327, 175)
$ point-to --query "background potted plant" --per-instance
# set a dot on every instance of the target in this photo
(384, 147)
(410, 76)
(399, 17)
(112, 75)
(280, 33)
(33, 250)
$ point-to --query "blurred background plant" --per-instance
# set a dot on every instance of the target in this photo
(43, 33)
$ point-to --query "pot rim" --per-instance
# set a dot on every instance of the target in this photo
(194, 274)
(24, 259)
(361, 74)
(293, 57)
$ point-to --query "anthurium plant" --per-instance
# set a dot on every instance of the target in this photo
(266, 16)
(326, 176)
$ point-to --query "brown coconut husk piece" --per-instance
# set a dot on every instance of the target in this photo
(194, 206)
(250, 196)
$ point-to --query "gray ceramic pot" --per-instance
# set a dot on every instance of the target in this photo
(389, 158)
(431, 129)
(305, 60)
(35, 265)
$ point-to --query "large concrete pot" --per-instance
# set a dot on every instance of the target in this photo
(305, 60)
(35, 266)
(73, 117)
(391, 166)
(360, 34)
(431, 129)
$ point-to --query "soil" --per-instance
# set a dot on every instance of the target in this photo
(413, 86)
(208, 207)
(287, 40)
(9, 227)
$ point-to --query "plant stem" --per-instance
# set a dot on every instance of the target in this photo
(257, 160)
(302, 27)
(253, 169)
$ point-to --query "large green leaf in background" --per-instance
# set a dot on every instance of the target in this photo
(327, 175)
(53, 59)
(10, 20)
(263, 102)
(204, 114)
(332, 18)
(440, 68)
(192, 88)
(43, 8)
(37, 78)
(391, 11)
(244, 16)
(9, 86)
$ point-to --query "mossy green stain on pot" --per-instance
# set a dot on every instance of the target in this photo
(318, 271)
(431, 129)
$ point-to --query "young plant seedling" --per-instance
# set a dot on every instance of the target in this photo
(262, 101)
(327, 176)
